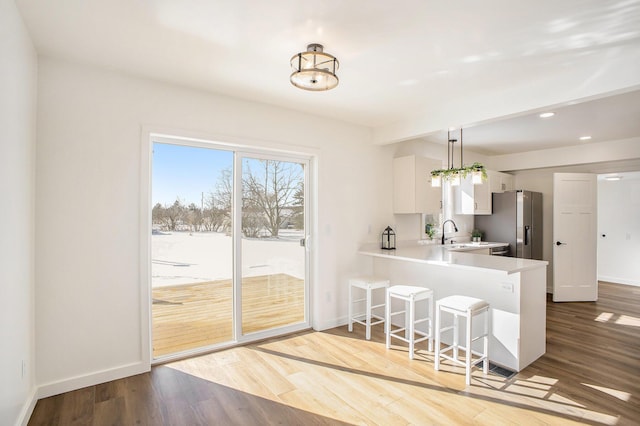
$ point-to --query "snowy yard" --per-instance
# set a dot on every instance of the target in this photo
(193, 257)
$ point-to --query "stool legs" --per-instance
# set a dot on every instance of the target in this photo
(485, 350)
(469, 313)
(410, 296)
(368, 314)
(436, 361)
(468, 354)
(387, 320)
(363, 288)
(350, 308)
(411, 328)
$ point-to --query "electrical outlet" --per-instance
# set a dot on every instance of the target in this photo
(507, 287)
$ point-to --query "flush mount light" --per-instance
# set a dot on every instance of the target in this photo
(585, 138)
(615, 177)
(547, 114)
(314, 70)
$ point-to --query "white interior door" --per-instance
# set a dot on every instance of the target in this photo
(575, 275)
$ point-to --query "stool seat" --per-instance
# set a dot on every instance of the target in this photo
(467, 307)
(368, 284)
(462, 303)
(408, 291)
(410, 295)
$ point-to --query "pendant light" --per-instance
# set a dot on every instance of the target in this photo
(454, 175)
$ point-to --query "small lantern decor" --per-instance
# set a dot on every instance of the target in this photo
(388, 239)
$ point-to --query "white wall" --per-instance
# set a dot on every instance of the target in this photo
(619, 220)
(18, 83)
(88, 189)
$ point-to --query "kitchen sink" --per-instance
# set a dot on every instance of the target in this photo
(464, 245)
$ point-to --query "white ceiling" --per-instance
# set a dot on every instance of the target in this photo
(408, 68)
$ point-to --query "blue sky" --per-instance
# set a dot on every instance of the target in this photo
(186, 172)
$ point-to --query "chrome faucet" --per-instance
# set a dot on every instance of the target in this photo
(444, 223)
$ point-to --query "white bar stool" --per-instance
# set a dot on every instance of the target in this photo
(467, 307)
(368, 284)
(410, 295)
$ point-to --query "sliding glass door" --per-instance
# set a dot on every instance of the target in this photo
(191, 248)
(228, 252)
(273, 291)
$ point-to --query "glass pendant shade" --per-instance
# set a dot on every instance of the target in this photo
(436, 181)
(314, 70)
(476, 177)
(455, 179)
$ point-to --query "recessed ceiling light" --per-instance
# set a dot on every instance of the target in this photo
(585, 138)
(547, 114)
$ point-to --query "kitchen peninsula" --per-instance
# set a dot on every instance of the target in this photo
(515, 288)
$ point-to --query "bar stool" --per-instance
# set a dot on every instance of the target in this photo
(368, 284)
(468, 307)
(410, 295)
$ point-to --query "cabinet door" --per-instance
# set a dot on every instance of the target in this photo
(412, 190)
(473, 199)
(464, 196)
(482, 196)
(404, 184)
(508, 182)
(476, 199)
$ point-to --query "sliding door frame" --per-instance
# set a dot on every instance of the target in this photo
(241, 150)
(237, 232)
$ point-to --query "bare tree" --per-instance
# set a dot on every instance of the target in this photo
(297, 216)
(194, 217)
(174, 215)
(271, 187)
(157, 215)
(220, 201)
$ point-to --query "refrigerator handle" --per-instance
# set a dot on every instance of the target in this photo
(527, 236)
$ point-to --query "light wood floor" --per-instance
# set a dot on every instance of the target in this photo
(196, 315)
(589, 375)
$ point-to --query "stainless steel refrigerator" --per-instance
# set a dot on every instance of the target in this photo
(517, 220)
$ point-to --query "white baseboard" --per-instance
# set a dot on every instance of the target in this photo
(27, 409)
(78, 382)
(333, 323)
(619, 280)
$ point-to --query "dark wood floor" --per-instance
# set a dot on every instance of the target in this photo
(589, 375)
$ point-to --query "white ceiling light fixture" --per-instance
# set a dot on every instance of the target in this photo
(585, 138)
(613, 178)
(547, 114)
(314, 69)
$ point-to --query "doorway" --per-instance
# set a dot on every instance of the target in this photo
(228, 252)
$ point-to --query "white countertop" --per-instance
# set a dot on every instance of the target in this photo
(436, 254)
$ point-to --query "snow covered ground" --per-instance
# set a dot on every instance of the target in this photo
(186, 258)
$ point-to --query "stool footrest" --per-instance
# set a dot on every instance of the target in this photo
(424, 335)
(362, 319)
(480, 356)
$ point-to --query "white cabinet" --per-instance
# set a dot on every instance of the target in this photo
(476, 199)
(412, 190)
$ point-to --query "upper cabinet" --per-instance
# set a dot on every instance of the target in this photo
(412, 190)
(476, 199)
